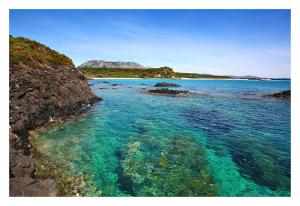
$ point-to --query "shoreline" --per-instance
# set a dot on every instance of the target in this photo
(45, 168)
(99, 78)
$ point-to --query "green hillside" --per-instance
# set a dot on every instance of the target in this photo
(162, 72)
(28, 53)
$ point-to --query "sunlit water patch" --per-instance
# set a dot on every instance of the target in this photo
(228, 140)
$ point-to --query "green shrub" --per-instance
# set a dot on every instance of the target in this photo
(28, 53)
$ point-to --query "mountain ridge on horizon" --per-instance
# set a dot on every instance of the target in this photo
(111, 64)
(134, 65)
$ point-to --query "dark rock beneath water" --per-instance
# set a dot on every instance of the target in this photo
(173, 167)
(283, 95)
(168, 92)
(211, 121)
(165, 84)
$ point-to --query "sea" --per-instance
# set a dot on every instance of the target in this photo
(225, 139)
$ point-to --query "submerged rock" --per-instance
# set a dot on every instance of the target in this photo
(283, 95)
(169, 92)
(165, 84)
(165, 167)
(252, 166)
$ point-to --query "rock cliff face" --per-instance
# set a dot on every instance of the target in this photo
(44, 85)
(107, 64)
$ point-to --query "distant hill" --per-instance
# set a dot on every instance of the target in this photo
(161, 72)
(250, 77)
(245, 77)
(121, 69)
(109, 64)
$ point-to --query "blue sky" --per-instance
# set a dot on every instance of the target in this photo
(224, 42)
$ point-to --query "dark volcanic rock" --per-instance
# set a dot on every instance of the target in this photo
(29, 187)
(168, 92)
(284, 94)
(21, 165)
(37, 95)
(43, 85)
(165, 84)
(22, 175)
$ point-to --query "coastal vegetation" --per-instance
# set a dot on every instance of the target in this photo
(199, 76)
(29, 53)
(162, 72)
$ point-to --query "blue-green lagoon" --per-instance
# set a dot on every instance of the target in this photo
(227, 140)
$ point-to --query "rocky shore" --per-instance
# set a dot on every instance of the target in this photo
(165, 84)
(283, 94)
(43, 86)
(167, 92)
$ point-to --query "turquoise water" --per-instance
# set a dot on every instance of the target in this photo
(226, 141)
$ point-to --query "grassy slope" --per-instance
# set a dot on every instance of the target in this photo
(26, 53)
(163, 72)
(127, 73)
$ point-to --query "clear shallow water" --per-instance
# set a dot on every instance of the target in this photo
(226, 141)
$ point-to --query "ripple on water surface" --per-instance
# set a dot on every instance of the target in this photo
(222, 142)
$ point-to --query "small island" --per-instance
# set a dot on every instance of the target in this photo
(166, 84)
(282, 95)
(168, 92)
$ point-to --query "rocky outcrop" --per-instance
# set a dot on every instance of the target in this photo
(38, 95)
(22, 174)
(43, 86)
(108, 64)
(165, 84)
(283, 95)
(167, 92)
(29, 187)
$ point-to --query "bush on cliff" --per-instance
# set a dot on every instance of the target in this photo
(28, 53)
